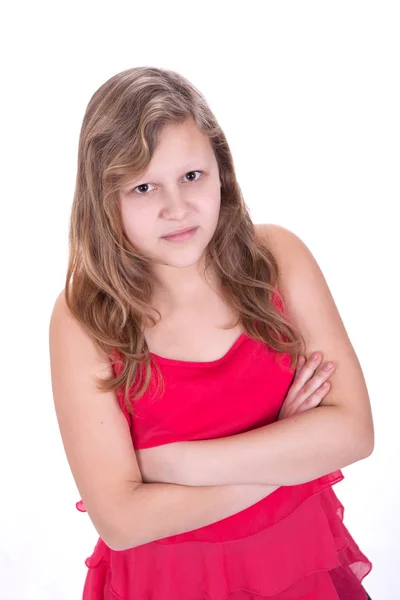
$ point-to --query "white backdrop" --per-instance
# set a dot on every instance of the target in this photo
(308, 96)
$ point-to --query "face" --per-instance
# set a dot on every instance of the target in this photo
(180, 188)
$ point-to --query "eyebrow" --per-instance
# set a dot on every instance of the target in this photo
(184, 170)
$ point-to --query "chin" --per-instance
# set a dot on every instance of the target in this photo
(180, 264)
(186, 257)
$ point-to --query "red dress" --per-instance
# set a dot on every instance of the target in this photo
(292, 545)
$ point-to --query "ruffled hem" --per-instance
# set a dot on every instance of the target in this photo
(304, 551)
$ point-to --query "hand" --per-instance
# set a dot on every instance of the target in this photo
(308, 388)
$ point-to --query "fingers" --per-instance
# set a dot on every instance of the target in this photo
(306, 390)
(300, 363)
(304, 372)
(318, 379)
(314, 400)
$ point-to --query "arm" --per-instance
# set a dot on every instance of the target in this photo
(288, 452)
(153, 511)
(99, 449)
(304, 446)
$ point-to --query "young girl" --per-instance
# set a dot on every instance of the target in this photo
(204, 441)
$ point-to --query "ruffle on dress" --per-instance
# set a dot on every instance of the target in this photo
(292, 545)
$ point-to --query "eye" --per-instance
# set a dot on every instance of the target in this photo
(142, 185)
(189, 172)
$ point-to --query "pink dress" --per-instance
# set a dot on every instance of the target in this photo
(292, 545)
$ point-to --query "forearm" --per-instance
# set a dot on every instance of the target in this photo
(291, 451)
(156, 510)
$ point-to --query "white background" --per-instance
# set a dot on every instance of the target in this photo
(308, 96)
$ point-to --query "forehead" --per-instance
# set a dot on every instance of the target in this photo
(180, 147)
(181, 138)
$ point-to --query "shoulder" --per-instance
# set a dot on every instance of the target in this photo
(282, 242)
(62, 320)
(310, 307)
(69, 339)
(60, 308)
(299, 272)
(301, 281)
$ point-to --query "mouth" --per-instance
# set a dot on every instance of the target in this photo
(185, 234)
(179, 232)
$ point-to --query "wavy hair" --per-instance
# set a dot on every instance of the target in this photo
(109, 284)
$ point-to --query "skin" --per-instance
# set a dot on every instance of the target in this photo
(172, 194)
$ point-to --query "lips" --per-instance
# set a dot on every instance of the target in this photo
(178, 232)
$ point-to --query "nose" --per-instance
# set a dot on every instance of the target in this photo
(175, 203)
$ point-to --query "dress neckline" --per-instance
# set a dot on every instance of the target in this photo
(211, 363)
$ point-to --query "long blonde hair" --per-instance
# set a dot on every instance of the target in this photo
(109, 284)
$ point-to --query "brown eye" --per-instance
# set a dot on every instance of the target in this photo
(144, 192)
(139, 187)
(189, 172)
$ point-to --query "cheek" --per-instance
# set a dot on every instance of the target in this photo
(213, 207)
(137, 225)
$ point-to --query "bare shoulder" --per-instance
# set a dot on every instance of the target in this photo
(295, 260)
(64, 325)
(310, 306)
(283, 244)
(278, 239)
(94, 430)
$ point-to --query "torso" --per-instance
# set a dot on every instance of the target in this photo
(195, 333)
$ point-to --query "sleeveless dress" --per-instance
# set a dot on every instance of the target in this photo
(291, 545)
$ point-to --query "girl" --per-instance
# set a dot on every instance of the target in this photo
(205, 442)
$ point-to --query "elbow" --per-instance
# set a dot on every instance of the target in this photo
(113, 537)
(124, 539)
(365, 447)
(125, 525)
(355, 452)
(359, 433)
(114, 541)
(117, 540)
(369, 446)
(368, 439)
(118, 517)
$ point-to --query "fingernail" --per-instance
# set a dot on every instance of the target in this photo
(328, 366)
(315, 357)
